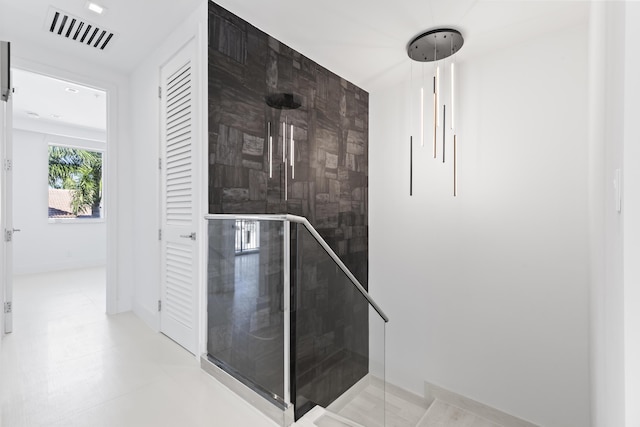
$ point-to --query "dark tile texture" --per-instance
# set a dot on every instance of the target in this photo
(330, 187)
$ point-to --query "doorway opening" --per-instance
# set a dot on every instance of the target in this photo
(60, 150)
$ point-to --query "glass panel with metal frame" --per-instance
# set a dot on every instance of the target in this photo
(287, 319)
(338, 339)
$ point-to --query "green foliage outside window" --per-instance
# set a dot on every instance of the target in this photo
(80, 172)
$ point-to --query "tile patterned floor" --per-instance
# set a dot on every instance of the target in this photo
(399, 414)
(441, 414)
(367, 408)
(68, 364)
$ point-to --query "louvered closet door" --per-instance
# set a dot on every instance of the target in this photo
(179, 302)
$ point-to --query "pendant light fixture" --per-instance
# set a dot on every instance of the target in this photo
(283, 101)
(434, 46)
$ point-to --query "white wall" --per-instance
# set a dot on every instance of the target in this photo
(145, 106)
(41, 245)
(606, 120)
(631, 198)
(488, 293)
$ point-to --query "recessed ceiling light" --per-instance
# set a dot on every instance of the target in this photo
(96, 8)
(71, 90)
(33, 115)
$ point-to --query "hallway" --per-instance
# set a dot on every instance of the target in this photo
(68, 364)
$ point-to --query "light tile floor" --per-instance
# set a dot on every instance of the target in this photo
(68, 364)
(368, 408)
(442, 414)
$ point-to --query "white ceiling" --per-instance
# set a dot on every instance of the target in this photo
(138, 25)
(365, 40)
(361, 40)
(57, 102)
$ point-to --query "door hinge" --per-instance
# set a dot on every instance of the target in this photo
(8, 165)
(160, 234)
(7, 307)
(8, 235)
(160, 92)
(159, 305)
(160, 163)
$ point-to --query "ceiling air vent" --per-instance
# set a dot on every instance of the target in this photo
(65, 25)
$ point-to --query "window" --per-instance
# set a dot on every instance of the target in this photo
(247, 236)
(75, 183)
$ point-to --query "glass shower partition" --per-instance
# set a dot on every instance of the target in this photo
(289, 321)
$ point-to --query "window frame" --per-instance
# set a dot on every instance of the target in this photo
(87, 145)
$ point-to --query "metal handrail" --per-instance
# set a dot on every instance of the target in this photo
(319, 239)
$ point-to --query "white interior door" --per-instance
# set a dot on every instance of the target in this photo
(6, 220)
(179, 291)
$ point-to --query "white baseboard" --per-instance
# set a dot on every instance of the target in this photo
(319, 416)
(346, 397)
(355, 390)
(149, 317)
(480, 409)
(405, 395)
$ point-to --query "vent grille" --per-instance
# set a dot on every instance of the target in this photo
(71, 27)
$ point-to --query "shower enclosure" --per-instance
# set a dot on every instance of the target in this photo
(288, 320)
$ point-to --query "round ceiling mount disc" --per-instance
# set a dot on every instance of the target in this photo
(435, 45)
(283, 101)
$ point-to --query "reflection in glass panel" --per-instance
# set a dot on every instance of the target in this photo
(245, 302)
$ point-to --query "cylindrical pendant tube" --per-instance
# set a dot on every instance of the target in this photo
(270, 139)
(411, 165)
(291, 147)
(270, 157)
(455, 166)
(435, 118)
(270, 142)
(284, 142)
(292, 155)
(422, 116)
(453, 95)
(444, 131)
(437, 93)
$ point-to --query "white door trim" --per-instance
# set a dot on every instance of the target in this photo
(202, 64)
(187, 332)
(110, 172)
(6, 215)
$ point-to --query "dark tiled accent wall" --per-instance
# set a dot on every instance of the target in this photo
(331, 133)
(330, 130)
